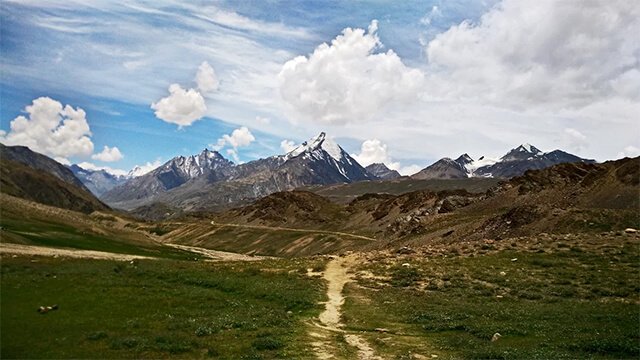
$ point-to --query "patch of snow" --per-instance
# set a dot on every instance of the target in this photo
(475, 165)
(332, 149)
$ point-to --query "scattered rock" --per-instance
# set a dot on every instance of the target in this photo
(405, 250)
(630, 230)
(46, 309)
(406, 265)
(496, 337)
(514, 259)
(381, 330)
(448, 233)
(503, 273)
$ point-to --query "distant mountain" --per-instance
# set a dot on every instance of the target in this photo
(97, 181)
(444, 168)
(222, 184)
(171, 174)
(514, 163)
(32, 176)
(381, 171)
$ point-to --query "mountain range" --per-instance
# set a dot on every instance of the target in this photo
(514, 163)
(208, 181)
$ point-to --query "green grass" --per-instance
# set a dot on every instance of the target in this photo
(156, 309)
(55, 234)
(571, 302)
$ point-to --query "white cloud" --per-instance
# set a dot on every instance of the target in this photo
(434, 13)
(206, 78)
(576, 140)
(240, 137)
(51, 129)
(287, 145)
(550, 53)
(234, 20)
(90, 166)
(181, 107)
(409, 170)
(347, 81)
(263, 120)
(629, 151)
(108, 154)
(374, 151)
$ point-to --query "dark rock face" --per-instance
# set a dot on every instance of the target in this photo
(381, 171)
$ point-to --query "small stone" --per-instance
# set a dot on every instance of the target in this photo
(406, 265)
(434, 356)
(381, 330)
(630, 230)
(514, 259)
(503, 273)
(499, 296)
(496, 337)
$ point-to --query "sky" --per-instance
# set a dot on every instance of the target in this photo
(134, 83)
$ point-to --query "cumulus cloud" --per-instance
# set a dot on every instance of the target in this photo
(206, 78)
(240, 137)
(629, 151)
(181, 107)
(287, 145)
(347, 81)
(108, 154)
(550, 53)
(576, 140)
(374, 151)
(51, 129)
(409, 170)
(90, 166)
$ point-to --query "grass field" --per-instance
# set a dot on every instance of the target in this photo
(576, 299)
(157, 309)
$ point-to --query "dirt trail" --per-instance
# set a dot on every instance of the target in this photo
(18, 249)
(337, 275)
(215, 255)
(311, 231)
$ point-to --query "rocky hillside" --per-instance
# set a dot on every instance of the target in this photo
(38, 178)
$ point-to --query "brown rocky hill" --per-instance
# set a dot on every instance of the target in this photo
(23, 181)
(578, 197)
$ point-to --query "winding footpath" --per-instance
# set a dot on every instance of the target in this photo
(337, 275)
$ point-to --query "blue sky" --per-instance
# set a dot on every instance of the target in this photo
(420, 80)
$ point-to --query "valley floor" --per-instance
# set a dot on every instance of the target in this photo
(550, 296)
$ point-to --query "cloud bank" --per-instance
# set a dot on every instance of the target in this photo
(347, 80)
(51, 129)
(108, 154)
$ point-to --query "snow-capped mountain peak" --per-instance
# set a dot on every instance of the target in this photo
(522, 152)
(316, 143)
